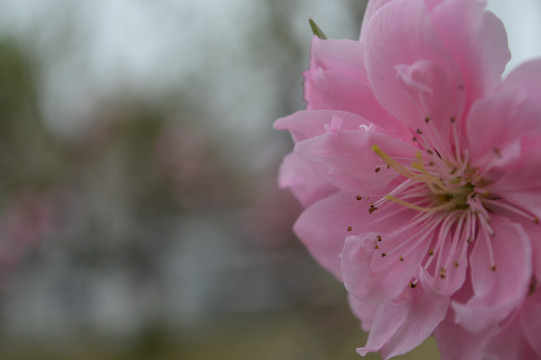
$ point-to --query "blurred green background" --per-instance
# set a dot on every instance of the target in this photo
(139, 212)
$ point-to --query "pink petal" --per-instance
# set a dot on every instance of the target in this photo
(373, 276)
(456, 343)
(526, 76)
(519, 185)
(345, 57)
(532, 229)
(351, 162)
(477, 41)
(510, 117)
(428, 87)
(530, 320)
(455, 263)
(398, 328)
(299, 175)
(511, 343)
(324, 226)
(371, 8)
(307, 124)
(493, 301)
(329, 89)
(363, 311)
(401, 33)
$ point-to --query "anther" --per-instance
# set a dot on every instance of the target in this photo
(430, 252)
(418, 131)
(372, 208)
(401, 258)
(383, 254)
(378, 237)
(376, 247)
(536, 220)
(427, 119)
(453, 119)
(456, 264)
(350, 228)
(412, 285)
(493, 268)
(358, 197)
(378, 169)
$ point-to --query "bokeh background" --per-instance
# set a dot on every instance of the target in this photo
(139, 212)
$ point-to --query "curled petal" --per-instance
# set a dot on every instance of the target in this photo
(324, 226)
(307, 124)
(401, 33)
(345, 57)
(373, 272)
(363, 311)
(350, 160)
(303, 180)
(476, 40)
(398, 328)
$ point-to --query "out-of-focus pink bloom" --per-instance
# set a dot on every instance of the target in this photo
(419, 169)
(272, 214)
(185, 156)
(26, 219)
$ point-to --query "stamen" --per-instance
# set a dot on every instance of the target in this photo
(456, 141)
(390, 161)
(426, 227)
(447, 205)
(515, 209)
(443, 234)
(456, 241)
(488, 239)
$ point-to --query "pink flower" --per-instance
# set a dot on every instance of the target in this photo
(419, 169)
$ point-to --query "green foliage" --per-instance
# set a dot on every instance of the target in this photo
(317, 30)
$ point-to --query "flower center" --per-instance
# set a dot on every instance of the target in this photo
(434, 185)
(453, 204)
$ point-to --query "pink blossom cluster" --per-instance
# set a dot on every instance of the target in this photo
(27, 219)
(420, 172)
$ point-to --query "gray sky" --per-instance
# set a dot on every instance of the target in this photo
(151, 46)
